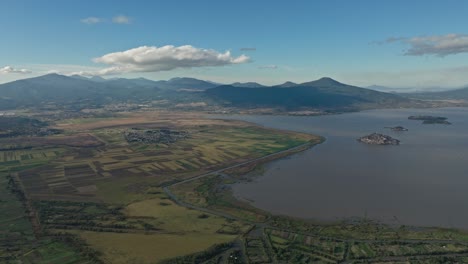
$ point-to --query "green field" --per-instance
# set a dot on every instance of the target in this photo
(18, 241)
(141, 248)
(206, 193)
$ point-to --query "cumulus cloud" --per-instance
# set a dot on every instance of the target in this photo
(165, 58)
(91, 20)
(121, 19)
(248, 49)
(437, 45)
(9, 69)
(268, 67)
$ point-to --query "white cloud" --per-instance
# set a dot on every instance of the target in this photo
(91, 20)
(438, 45)
(9, 69)
(165, 58)
(268, 67)
(121, 19)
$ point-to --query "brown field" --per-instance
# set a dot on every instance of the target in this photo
(83, 140)
(142, 119)
(102, 155)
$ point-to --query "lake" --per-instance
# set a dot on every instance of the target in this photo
(422, 182)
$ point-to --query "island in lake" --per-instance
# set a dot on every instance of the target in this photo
(431, 119)
(397, 128)
(378, 139)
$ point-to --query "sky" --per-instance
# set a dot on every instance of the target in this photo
(403, 44)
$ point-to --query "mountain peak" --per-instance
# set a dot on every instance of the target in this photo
(53, 75)
(287, 84)
(323, 82)
(97, 79)
(247, 85)
(188, 83)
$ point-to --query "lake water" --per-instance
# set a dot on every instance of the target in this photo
(423, 181)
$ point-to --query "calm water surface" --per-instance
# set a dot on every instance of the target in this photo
(423, 181)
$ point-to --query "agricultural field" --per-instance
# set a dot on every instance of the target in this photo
(90, 190)
(90, 195)
(83, 140)
(20, 159)
(157, 228)
(141, 248)
(80, 172)
(19, 241)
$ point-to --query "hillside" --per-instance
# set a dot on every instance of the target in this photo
(456, 94)
(324, 93)
(64, 90)
(185, 83)
(247, 85)
(77, 92)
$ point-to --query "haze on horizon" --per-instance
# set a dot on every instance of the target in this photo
(399, 44)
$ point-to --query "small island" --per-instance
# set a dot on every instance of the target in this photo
(397, 128)
(431, 119)
(378, 139)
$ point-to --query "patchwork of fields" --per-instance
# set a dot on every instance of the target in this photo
(78, 172)
(104, 191)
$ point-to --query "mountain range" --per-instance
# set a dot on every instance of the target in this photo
(324, 93)
(456, 94)
(79, 92)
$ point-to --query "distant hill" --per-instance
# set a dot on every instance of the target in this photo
(59, 89)
(178, 83)
(324, 93)
(185, 83)
(456, 94)
(286, 84)
(78, 92)
(247, 85)
(405, 90)
(381, 88)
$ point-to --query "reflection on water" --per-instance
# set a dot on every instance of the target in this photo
(424, 181)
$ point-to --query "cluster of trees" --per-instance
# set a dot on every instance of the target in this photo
(201, 257)
(12, 126)
(80, 245)
(88, 216)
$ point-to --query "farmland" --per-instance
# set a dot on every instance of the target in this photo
(79, 172)
(90, 195)
(90, 190)
(19, 240)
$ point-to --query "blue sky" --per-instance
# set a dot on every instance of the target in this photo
(394, 43)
